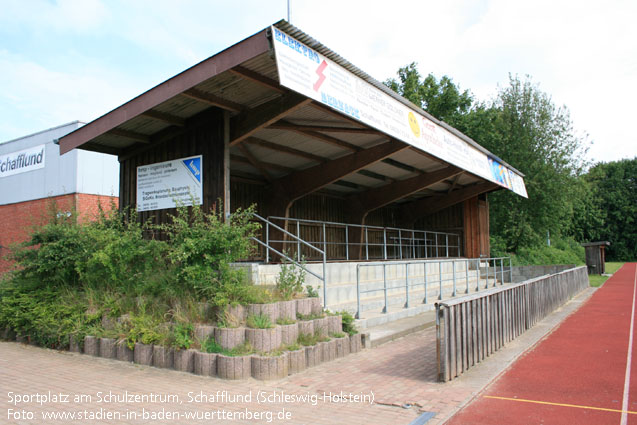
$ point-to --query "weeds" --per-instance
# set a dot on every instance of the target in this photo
(259, 321)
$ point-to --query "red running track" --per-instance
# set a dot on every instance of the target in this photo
(583, 364)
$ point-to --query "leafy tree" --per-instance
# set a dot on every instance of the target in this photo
(522, 126)
(441, 98)
(525, 128)
(613, 191)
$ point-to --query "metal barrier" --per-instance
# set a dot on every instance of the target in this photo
(491, 267)
(378, 243)
(266, 224)
(470, 328)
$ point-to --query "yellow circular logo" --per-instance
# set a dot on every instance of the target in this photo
(413, 124)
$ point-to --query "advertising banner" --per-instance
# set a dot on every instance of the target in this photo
(308, 72)
(170, 184)
(22, 161)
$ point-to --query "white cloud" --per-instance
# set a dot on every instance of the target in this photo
(45, 98)
(583, 54)
(60, 15)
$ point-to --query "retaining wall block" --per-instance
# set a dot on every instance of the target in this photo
(163, 357)
(233, 314)
(306, 327)
(91, 346)
(321, 326)
(124, 353)
(203, 332)
(304, 306)
(355, 343)
(328, 350)
(316, 306)
(229, 338)
(108, 348)
(342, 347)
(205, 363)
(287, 310)
(271, 310)
(239, 367)
(21, 339)
(264, 339)
(143, 354)
(184, 360)
(313, 355)
(297, 361)
(335, 324)
(266, 368)
(74, 345)
(289, 333)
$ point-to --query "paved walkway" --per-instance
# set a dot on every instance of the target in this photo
(400, 376)
(580, 374)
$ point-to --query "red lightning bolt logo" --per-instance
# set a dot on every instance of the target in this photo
(319, 72)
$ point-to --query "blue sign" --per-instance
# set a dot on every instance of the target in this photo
(194, 166)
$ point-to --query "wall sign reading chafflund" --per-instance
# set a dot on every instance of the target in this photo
(169, 184)
(22, 161)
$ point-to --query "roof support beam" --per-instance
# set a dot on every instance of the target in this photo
(306, 181)
(281, 148)
(249, 122)
(361, 204)
(255, 163)
(257, 78)
(264, 164)
(213, 100)
(329, 129)
(327, 139)
(412, 211)
(138, 137)
(165, 118)
(454, 183)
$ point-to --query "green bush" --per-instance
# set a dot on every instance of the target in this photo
(348, 322)
(70, 274)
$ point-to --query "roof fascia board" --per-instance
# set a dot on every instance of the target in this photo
(221, 62)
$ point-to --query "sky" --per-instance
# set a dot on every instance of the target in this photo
(67, 60)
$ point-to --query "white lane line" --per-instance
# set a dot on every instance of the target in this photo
(624, 420)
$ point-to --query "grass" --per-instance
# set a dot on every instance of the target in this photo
(598, 280)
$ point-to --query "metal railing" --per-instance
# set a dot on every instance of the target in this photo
(490, 271)
(266, 226)
(470, 328)
(375, 243)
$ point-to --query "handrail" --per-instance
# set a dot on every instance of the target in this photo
(471, 328)
(498, 268)
(403, 243)
(269, 248)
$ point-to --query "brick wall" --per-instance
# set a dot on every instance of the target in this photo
(18, 220)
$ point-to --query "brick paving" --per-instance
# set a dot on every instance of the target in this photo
(401, 374)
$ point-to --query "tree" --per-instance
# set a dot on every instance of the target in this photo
(522, 126)
(525, 128)
(441, 98)
(613, 191)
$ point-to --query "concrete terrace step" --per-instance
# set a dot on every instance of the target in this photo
(396, 298)
(383, 333)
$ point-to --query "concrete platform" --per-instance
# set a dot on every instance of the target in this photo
(381, 334)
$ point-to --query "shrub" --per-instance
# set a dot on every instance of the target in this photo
(290, 280)
(348, 322)
(182, 335)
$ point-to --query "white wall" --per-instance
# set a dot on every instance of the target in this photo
(75, 172)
